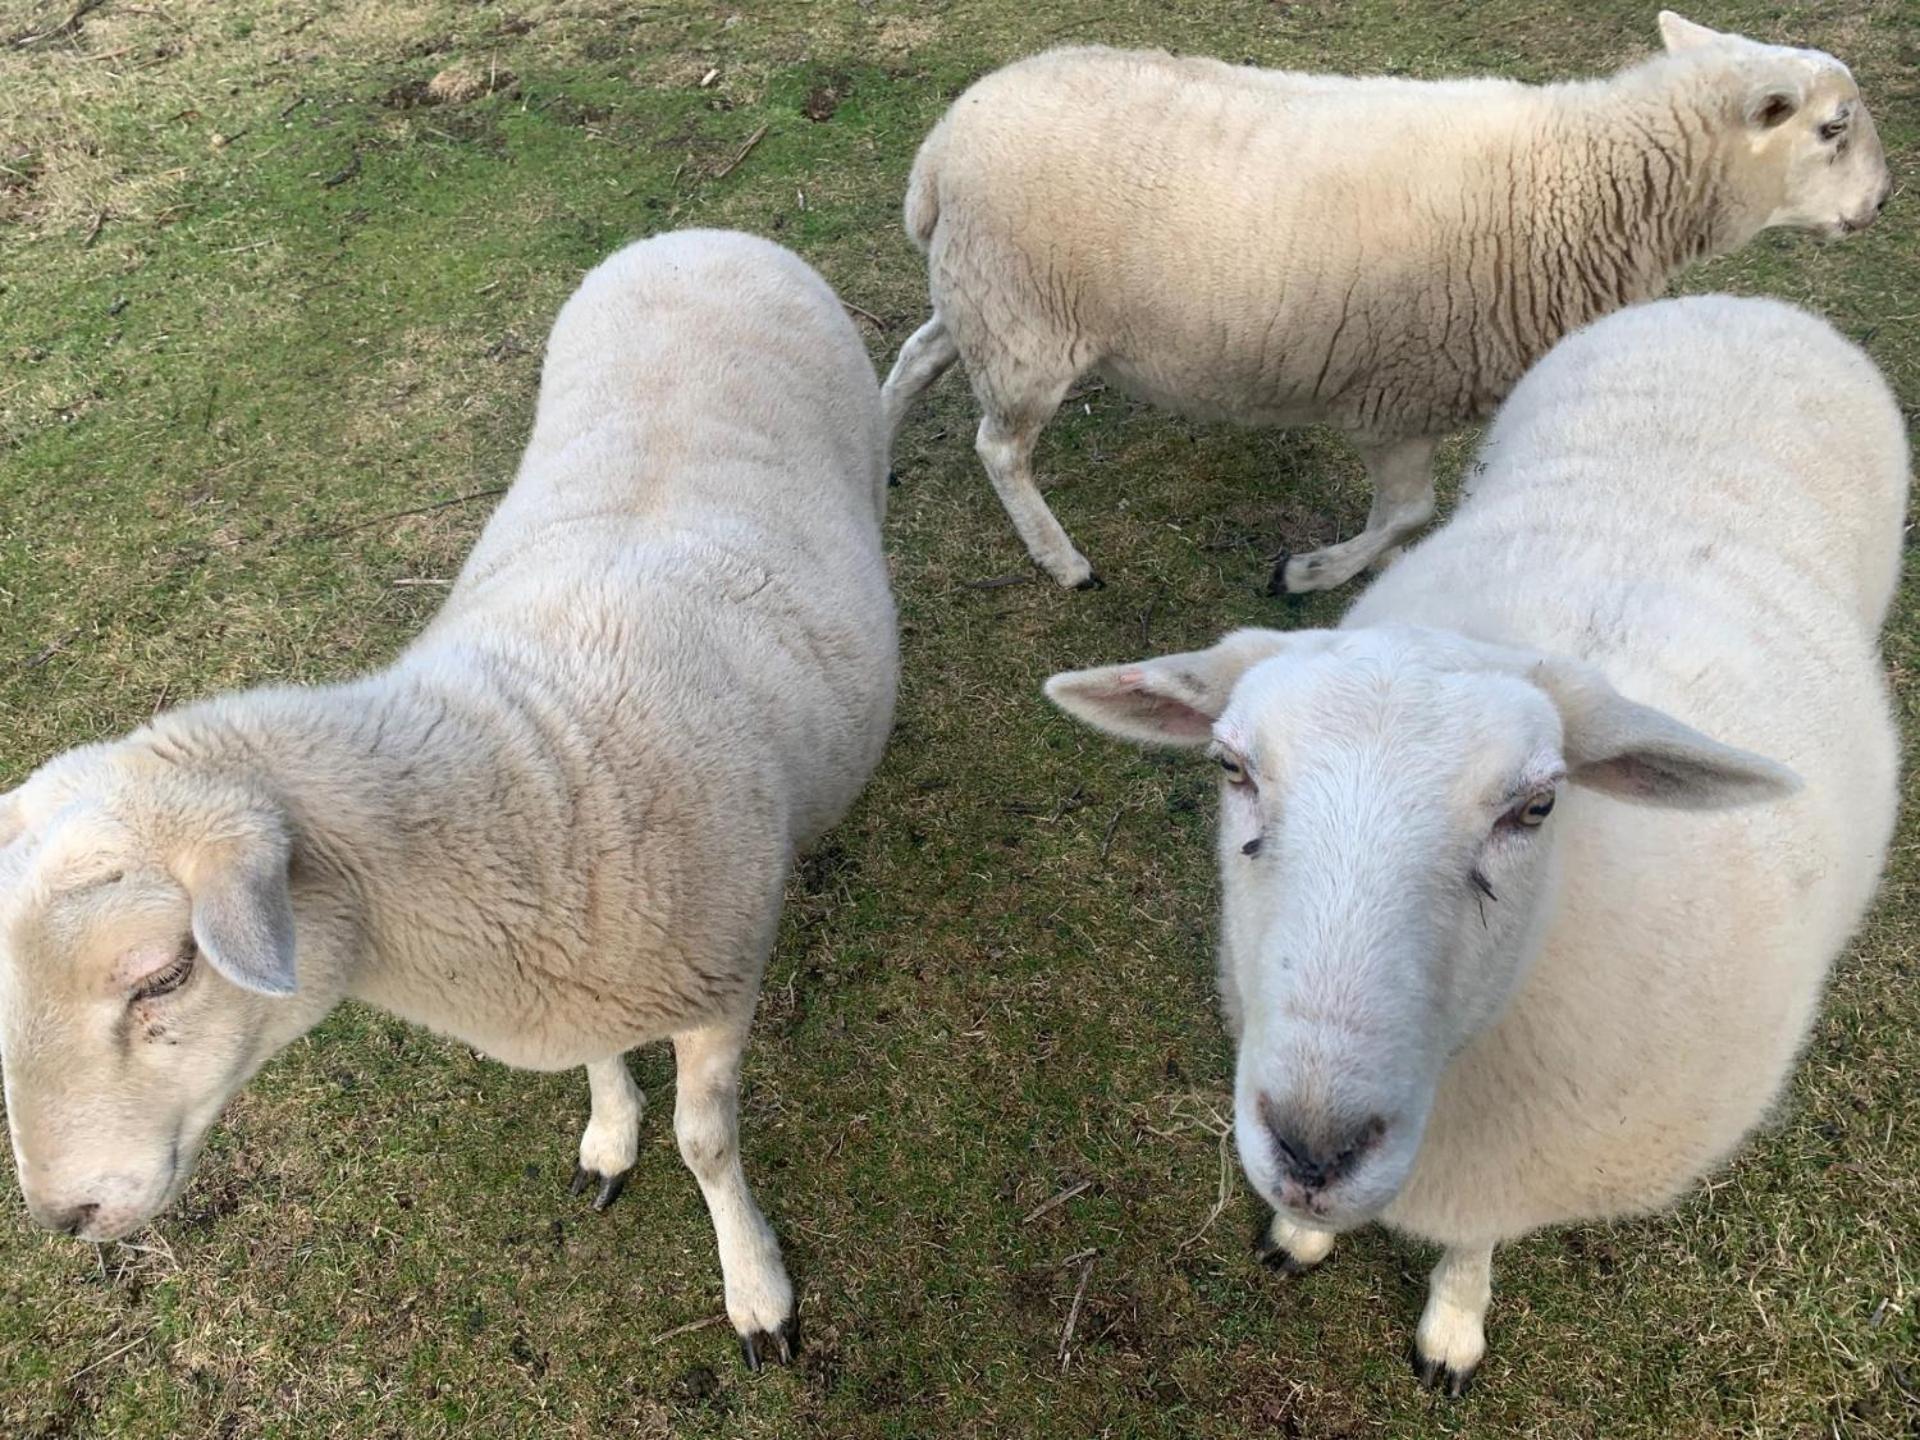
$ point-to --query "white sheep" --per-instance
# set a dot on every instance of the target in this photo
(557, 827)
(1387, 256)
(1478, 985)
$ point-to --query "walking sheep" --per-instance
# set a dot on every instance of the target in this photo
(1387, 256)
(1485, 976)
(557, 827)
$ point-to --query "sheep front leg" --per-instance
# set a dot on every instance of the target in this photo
(1452, 1338)
(611, 1142)
(1402, 476)
(706, 1123)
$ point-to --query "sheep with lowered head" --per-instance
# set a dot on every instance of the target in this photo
(1386, 256)
(557, 827)
(1498, 948)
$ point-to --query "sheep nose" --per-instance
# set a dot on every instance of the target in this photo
(73, 1220)
(1314, 1157)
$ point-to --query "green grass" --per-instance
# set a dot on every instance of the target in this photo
(218, 371)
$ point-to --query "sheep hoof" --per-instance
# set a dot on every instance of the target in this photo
(610, 1185)
(1092, 582)
(893, 479)
(1438, 1375)
(1277, 578)
(772, 1347)
(1278, 1257)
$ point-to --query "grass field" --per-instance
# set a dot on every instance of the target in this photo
(262, 290)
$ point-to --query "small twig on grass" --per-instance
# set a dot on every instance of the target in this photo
(1073, 1315)
(1000, 582)
(293, 105)
(66, 27)
(406, 582)
(1220, 1203)
(115, 1355)
(340, 177)
(403, 514)
(1065, 1195)
(1146, 620)
(1076, 800)
(1113, 826)
(99, 224)
(864, 314)
(52, 650)
(688, 1328)
(745, 150)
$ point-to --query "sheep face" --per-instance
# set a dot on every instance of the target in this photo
(1811, 159)
(1815, 142)
(145, 974)
(1388, 822)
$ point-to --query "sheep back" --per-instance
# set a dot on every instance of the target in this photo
(1271, 247)
(1704, 498)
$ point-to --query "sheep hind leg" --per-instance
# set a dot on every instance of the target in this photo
(1452, 1338)
(611, 1142)
(1402, 476)
(1005, 446)
(706, 1122)
(928, 354)
(1290, 1248)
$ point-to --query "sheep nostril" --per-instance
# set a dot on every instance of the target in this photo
(1313, 1164)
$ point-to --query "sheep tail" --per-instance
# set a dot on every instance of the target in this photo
(923, 188)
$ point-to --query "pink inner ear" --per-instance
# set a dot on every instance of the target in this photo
(1178, 720)
(136, 964)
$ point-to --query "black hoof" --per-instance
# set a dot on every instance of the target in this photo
(1277, 577)
(893, 479)
(1281, 1259)
(610, 1185)
(1092, 582)
(772, 1347)
(1438, 1375)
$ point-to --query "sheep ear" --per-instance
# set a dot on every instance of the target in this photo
(243, 910)
(1171, 700)
(1638, 753)
(1774, 103)
(1678, 33)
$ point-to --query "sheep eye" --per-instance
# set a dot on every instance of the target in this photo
(1535, 810)
(1236, 772)
(1833, 129)
(1529, 814)
(171, 978)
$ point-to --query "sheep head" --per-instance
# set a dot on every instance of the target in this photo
(1805, 154)
(1387, 844)
(148, 966)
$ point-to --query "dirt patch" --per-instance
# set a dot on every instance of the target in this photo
(899, 34)
(821, 103)
(455, 85)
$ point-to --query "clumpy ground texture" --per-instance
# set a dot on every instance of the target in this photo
(273, 283)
